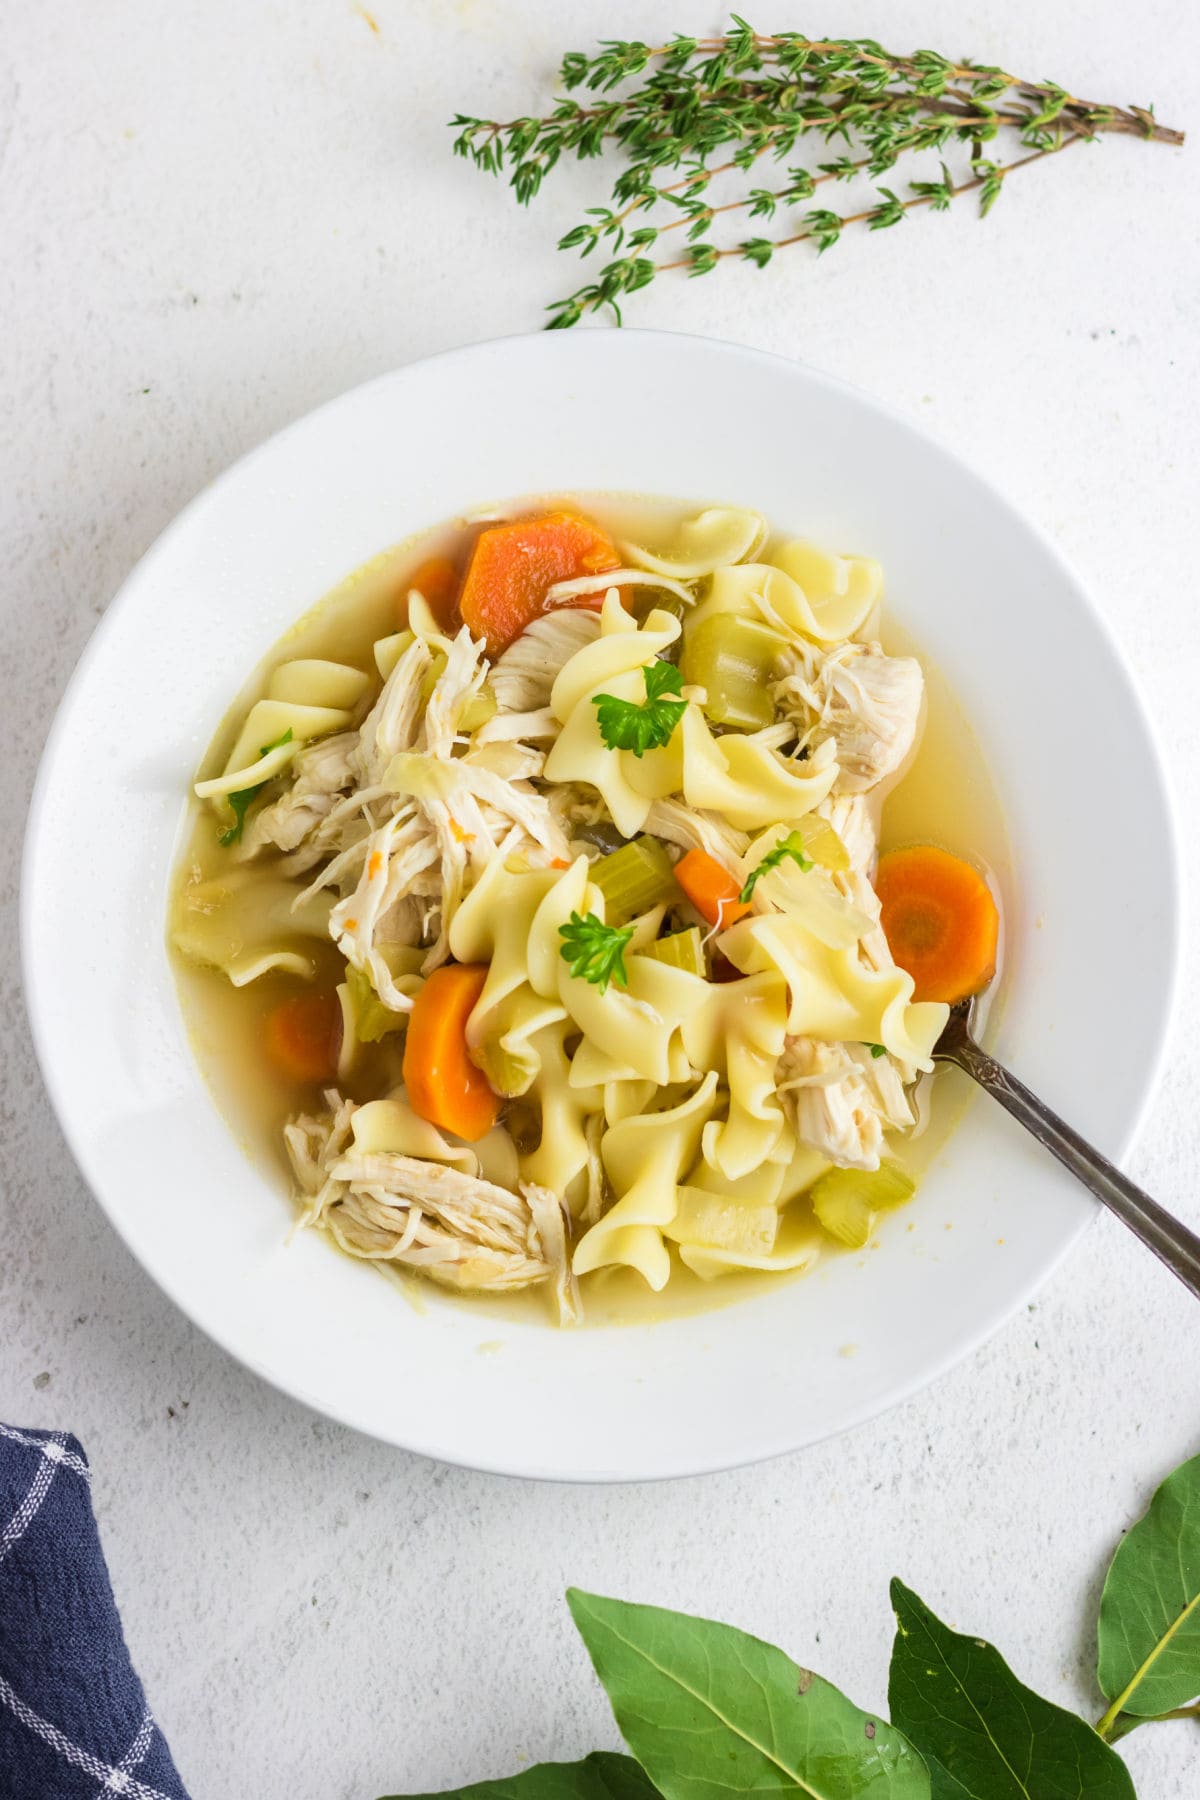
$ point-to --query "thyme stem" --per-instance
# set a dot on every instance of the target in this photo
(695, 109)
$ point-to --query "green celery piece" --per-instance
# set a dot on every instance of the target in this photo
(604, 1775)
(1150, 1609)
(681, 950)
(372, 1019)
(983, 1732)
(732, 659)
(846, 1200)
(712, 1713)
(633, 879)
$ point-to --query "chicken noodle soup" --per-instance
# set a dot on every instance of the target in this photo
(539, 872)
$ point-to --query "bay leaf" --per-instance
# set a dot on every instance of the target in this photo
(983, 1733)
(604, 1775)
(711, 1712)
(1149, 1635)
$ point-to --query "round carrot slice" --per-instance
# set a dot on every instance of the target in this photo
(303, 1037)
(940, 921)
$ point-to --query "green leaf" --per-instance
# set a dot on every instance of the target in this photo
(984, 1734)
(1150, 1609)
(791, 846)
(601, 1776)
(595, 951)
(711, 1713)
(628, 725)
(240, 801)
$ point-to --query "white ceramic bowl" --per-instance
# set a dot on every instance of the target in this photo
(1091, 935)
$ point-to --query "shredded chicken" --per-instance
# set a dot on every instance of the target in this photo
(841, 1099)
(541, 723)
(524, 674)
(692, 829)
(392, 723)
(321, 774)
(868, 702)
(853, 818)
(549, 1217)
(456, 1228)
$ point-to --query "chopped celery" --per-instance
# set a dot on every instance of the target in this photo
(846, 1200)
(682, 950)
(633, 879)
(732, 659)
(372, 1019)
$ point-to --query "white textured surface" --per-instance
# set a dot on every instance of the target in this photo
(215, 217)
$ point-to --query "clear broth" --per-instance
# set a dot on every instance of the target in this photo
(945, 796)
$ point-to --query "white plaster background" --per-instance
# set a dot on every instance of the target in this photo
(217, 214)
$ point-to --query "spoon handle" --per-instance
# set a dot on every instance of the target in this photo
(1170, 1240)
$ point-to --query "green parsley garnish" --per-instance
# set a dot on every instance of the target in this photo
(626, 725)
(791, 846)
(877, 1050)
(240, 802)
(595, 951)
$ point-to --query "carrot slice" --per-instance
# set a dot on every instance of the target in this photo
(940, 921)
(711, 889)
(512, 568)
(302, 1037)
(437, 578)
(443, 1084)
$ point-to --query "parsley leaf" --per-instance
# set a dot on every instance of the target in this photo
(791, 846)
(626, 725)
(595, 951)
(877, 1050)
(241, 800)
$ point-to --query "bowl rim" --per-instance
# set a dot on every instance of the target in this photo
(993, 1317)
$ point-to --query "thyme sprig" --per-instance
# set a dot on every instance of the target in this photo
(687, 112)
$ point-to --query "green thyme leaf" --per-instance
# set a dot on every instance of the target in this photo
(628, 725)
(674, 116)
(792, 846)
(240, 801)
(594, 951)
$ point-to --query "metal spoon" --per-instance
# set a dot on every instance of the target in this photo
(1170, 1241)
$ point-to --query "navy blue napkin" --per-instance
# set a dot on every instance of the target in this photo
(74, 1724)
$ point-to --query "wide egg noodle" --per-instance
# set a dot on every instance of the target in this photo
(644, 1158)
(308, 697)
(751, 784)
(245, 925)
(718, 535)
(803, 593)
(562, 1153)
(835, 997)
(738, 1033)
